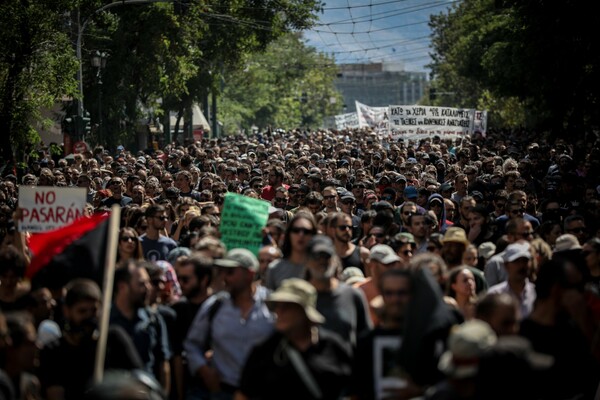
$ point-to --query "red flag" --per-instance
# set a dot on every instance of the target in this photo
(73, 251)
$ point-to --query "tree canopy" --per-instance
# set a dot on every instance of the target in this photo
(539, 56)
(287, 86)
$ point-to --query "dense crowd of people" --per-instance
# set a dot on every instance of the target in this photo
(438, 268)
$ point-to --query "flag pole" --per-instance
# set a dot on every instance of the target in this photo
(107, 290)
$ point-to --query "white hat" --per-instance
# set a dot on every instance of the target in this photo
(567, 242)
(517, 250)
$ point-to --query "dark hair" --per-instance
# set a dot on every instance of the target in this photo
(82, 290)
(286, 249)
(394, 272)
(153, 209)
(12, 260)
(202, 267)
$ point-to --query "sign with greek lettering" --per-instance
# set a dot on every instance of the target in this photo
(44, 208)
(374, 117)
(343, 121)
(416, 121)
(242, 221)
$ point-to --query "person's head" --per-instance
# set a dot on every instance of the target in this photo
(330, 198)
(500, 311)
(298, 233)
(417, 226)
(549, 231)
(116, 186)
(131, 284)
(314, 201)
(22, 350)
(294, 304)
(12, 267)
(395, 287)
(454, 244)
(129, 243)
(517, 260)
(343, 227)
(591, 254)
(238, 268)
(323, 263)
(157, 218)
(519, 229)
(470, 256)
(461, 283)
(467, 203)
(575, 225)
(81, 307)
(382, 257)
(194, 275)
(266, 255)
(461, 183)
(276, 176)
(408, 208)
(281, 197)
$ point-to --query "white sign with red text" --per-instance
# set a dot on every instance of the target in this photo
(44, 208)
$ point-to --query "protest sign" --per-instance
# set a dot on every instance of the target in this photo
(343, 121)
(47, 208)
(242, 221)
(374, 117)
(423, 121)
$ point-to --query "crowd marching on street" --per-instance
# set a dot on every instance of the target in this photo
(390, 268)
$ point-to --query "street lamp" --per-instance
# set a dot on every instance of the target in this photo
(99, 62)
(80, 29)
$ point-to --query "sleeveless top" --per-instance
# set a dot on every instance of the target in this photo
(353, 260)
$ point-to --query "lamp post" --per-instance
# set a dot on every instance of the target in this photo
(80, 29)
(99, 62)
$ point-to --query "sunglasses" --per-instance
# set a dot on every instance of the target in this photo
(304, 231)
(519, 211)
(347, 202)
(329, 197)
(161, 217)
(344, 227)
(128, 239)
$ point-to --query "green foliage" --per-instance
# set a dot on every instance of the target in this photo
(37, 67)
(270, 90)
(534, 54)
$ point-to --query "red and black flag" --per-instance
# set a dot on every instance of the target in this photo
(77, 250)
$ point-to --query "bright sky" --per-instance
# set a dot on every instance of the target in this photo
(366, 31)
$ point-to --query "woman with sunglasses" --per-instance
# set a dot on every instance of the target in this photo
(299, 231)
(129, 247)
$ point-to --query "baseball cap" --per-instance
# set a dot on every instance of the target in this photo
(321, 244)
(238, 258)
(410, 192)
(514, 251)
(383, 254)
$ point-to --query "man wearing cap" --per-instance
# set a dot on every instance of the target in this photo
(381, 258)
(241, 321)
(517, 262)
(347, 202)
(301, 360)
(516, 229)
(344, 307)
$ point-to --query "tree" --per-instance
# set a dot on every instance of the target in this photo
(169, 56)
(287, 86)
(37, 67)
(539, 54)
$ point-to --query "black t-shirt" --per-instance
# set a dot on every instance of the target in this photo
(268, 373)
(574, 371)
(68, 366)
(363, 379)
(185, 312)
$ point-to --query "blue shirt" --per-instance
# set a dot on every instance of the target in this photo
(233, 337)
(148, 332)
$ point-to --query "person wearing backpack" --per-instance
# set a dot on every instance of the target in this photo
(229, 324)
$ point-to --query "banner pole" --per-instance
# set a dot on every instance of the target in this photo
(107, 290)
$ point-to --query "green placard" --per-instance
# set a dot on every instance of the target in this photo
(242, 221)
